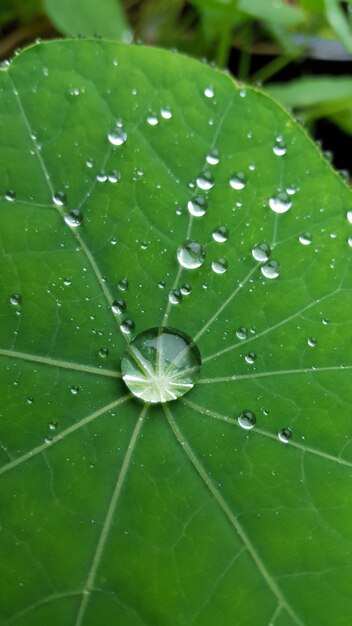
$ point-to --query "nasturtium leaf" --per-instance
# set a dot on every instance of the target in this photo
(230, 504)
(87, 18)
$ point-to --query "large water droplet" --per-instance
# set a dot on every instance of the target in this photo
(74, 218)
(118, 307)
(205, 181)
(279, 147)
(220, 234)
(59, 198)
(261, 252)
(190, 255)
(247, 420)
(237, 181)
(197, 206)
(270, 269)
(219, 266)
(285, 435)
(118, 135)
(15, 299)
(280, 203)
(160, 365)
(305, 239)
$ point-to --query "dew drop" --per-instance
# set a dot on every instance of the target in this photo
(127, 327)
(59, 198)
(349, 216)
(213, 158)
(114, 176)
(152, 119)
(166, 114)
(242, 333)
(16, 299)
(160, 365)
(349, 241)
(10, 195)
(247, 420)
(250, 358)
(122, 285)
(103, 353)
(270, 269)
(118, 307)
(53, 425)
(237, 181)
(209, 92)
(305, 239)
(74, 218)
(190, 255)
(312, 342)
(220, 234)
(261, 252)
(197, 206)
(285, 435)
(74, 390)
(175, 296)
(118, 136)
(280, 203)
(219, 266)
(205, 181)
(279, 147)
(186, 289)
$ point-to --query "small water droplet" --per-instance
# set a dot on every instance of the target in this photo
(166, 113)
(113, 241)
(209, 92)
(197, 206)
(67, 281)
(312, 342)
(213, 158)
(103, 353)
(261, 252)
(74, 390)
(10, 195)
(285, 435)
(305, 239)
(175, 296)
(122, 285)
(250, 358)
(118, 307)
(191, 255)
(280, 203)
(127, 327)
(271, 269)
(349, 216)
(118, 135)
(349, 241)
(186, 289)
(74, 218)
(205, 181)
(30, 400)
(219, 266)
(238, 181)
(247, 420)
(152, 119)
(90, 163)
(241, 333)
(59, 198)
(53, 425)
(220, 234)
(279, 147)
(16, 299)
(114, 176)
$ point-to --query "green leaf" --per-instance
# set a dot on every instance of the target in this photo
(338, 22)
(81, 17)
(273, 11)
(312, 90)
(115, 512)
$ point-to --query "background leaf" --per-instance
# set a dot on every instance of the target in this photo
(83, 17)
(115, 512)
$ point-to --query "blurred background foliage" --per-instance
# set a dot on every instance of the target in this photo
(300, 51)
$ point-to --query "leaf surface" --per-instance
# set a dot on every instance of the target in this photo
(119, 512)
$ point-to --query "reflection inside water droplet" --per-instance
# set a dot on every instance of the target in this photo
(160, 365)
